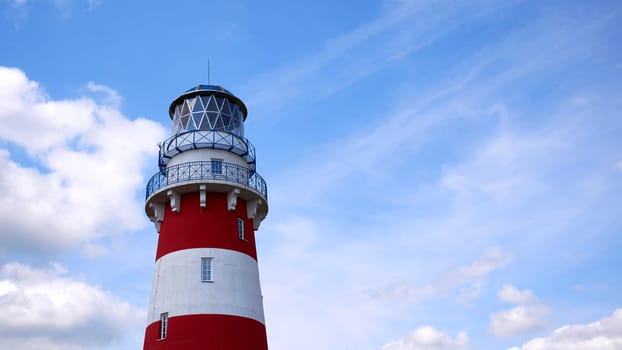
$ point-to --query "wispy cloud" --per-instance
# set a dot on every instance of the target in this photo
(468, 278)
(19, 10)
(605, 333)
(402, 29)
(472, 160)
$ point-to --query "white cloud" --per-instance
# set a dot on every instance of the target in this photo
(92, 251)
(84, 168)
(602, 334)
(519, 320)
(469, 279)
(110, 95)
(528, 316)
(429, 338)
(45, 310)
(512, 295)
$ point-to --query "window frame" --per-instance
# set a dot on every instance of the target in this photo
(163, 325)
(241, 233)
(209, 267)
(216, 166)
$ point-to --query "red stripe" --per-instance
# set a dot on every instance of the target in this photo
(210, 227)
(213, 332)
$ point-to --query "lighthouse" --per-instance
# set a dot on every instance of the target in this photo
(206, 202)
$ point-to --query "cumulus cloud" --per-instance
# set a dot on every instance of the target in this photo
(512, 295)
(85, 161)
(45, 310)
(429, 338)
(602, 334)
(528, 316)
(467, 279)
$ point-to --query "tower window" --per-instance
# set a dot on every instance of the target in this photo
(206, 270)
(241, 228)
(163, 325)
(216, 166)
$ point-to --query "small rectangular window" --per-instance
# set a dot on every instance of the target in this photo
(241, 228)
(163, 325)
(216, 166)
(206, 270)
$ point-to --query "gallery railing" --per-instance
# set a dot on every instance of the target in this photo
(207, 139)
(207, 171)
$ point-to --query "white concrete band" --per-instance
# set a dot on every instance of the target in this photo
(178, 289)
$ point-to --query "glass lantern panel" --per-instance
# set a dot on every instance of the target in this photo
(190, 103)
(204, 124)
(196, 118)
(212, 105)
(219, 124)
(212, 116)
(219, 102)
(198, 106)
(226, 121)
(184, 122)
(205, 101)
(225, 107)
(184, 109)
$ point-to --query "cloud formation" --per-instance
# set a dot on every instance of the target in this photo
(84, 166)
(528, 316)
(602, 334)
(429, 338)
(45, 310)
(468, 279)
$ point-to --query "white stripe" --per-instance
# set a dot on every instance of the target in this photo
(178, 290)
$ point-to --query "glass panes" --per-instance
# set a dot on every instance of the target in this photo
(204, 124)
(216, 166)
(226, 121)
(205, 100)
(184, 122)
(208, 112)
(212, 105)
(190, 103)
(177, 110)
(163, 325)
(219, 125)
(206, 269)
(241, 228)
(194, 121)
(198, 106)
(184, 109)
(219, 102)
(225, 107)
(212, 118)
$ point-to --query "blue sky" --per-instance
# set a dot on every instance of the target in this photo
(441, 175)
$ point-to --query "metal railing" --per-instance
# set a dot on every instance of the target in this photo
(206, 171)
(207, 139)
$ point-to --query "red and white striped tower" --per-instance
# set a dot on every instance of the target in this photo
(206, 202)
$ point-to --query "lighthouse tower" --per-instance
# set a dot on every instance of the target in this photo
(206, 202)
